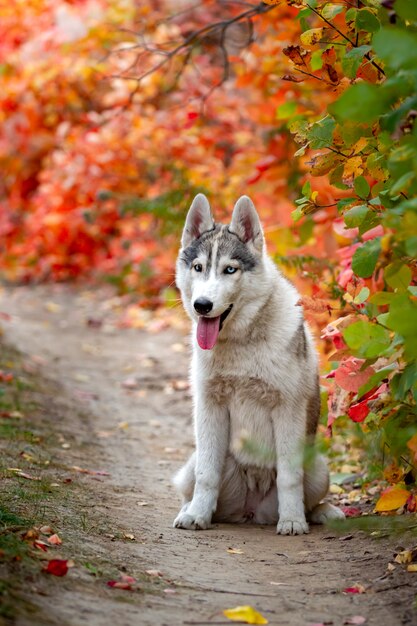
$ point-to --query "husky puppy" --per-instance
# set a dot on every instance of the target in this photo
(255, 382)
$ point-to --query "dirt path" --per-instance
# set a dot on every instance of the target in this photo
(130, 384)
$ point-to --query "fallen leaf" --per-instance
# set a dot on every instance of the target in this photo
(354, 589)
(153, 572)
(57, 567)
(54, 540)
(390, 567)
(234, 551)
(355, 619)
(46, 530)
(40, 545)
(406, 556)
(412, 567)
(351, 511)
(126, 582)
(169, 590)
(392, 499)
(32, 533)
(129, 536)
(81, 470)
(246, 614)
(125, 578)
(143, 503)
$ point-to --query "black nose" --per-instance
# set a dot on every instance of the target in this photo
(203, 306)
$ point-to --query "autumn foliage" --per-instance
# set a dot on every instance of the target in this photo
(115, 113)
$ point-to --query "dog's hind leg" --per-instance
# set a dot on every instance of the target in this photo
(316, 485)
(232, 496)
(184, 480)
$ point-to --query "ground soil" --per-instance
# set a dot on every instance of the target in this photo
(128, 412)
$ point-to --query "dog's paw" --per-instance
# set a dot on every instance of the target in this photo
(326, 512)
(292, 527)
(191, 522)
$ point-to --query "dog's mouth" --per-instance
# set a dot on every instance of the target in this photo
(208, 329)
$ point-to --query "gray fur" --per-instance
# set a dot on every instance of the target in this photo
(229, 245)
(256, 392)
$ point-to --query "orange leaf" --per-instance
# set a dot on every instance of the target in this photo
(392, 499)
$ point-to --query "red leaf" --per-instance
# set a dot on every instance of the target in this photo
(411, 504)
(57, 567)
(349, 375)
(359, 411)
(117, 584)
(354, 589)
(351, 511)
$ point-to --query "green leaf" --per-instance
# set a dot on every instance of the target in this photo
(365, 258)
(320, 134)
(366, 339)
(402, 316)
(316, 60)
(331, 10)
(297, 214)
(407, 9)
(361, 187)
(366, 20)
(397, 47)
(355, 215)
(286, 110)
(398, 276)
(353, 59)
(362, 296)
(406, 381)
(383, 297)
(362, 102)
(402, 183)
(350, 15)
(306, 189)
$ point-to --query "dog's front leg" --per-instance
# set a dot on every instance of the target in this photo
(212, 438)
(289, 427)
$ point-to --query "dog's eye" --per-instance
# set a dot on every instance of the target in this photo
(198, 267)
(230, 270)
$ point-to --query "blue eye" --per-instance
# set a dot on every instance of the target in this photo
(198, 267)
(230, 270)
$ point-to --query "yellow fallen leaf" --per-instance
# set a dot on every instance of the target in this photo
(234, 551)
(392, 498)
(412, 567)
(246, 614)
(406, 556)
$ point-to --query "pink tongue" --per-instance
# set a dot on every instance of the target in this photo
(207, 331)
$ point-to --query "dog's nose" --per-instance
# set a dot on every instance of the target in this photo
(203, 306)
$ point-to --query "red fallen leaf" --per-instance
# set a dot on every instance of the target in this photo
(40, 545)
(57, 567)
(125, 583)
(351, 511)
(127, 579)
(354, 589)
(411, 504)
(54, 540)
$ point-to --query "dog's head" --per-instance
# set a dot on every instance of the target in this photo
(219, 266)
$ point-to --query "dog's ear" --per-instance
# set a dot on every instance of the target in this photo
(246, 224)
(199, 220)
